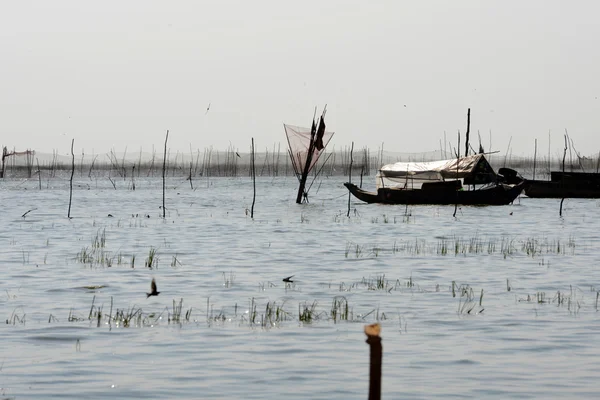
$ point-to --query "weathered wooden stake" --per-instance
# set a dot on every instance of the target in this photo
(71, 180)
(468, 129)
(253, 183)
(4, 155)
(39, 172)
(132, 175)
(350, 177)
(164, 169)
(374, 342)
(457, 163)
(562, 179)
(534, 157)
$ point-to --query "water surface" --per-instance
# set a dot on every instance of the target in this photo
(536, 340)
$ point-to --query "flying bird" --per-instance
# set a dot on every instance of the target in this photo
(288, 279)
(153, 291)
(237, 154)
(207, 108)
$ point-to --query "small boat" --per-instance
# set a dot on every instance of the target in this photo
(441, 182)
(494, 195)
(565, 185)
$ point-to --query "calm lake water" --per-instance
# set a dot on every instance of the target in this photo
(419, 271)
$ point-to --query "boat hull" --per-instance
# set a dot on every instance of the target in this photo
(559, 190)
(496, 195)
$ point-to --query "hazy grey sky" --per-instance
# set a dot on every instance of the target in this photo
(116, 74)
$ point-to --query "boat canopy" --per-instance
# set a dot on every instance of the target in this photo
(471, 170)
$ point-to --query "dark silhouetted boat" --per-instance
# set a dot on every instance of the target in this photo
(467, 181)
(565, 185)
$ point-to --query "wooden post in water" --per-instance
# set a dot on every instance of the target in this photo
(350, 177)
(163, 174)
(562, 178)
(534, 157)
(71, 180)
(39, 172)
(374, 342)
(132, 175)
(457, 163)
(253, 182)
(4, 154)
(468, 129)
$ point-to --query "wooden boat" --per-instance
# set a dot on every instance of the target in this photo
(440, 182)
(494, 195)
(565, 185)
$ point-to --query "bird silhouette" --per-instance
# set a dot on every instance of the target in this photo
(207, 108)
(153, 291)
(288, 279)
(237, 154)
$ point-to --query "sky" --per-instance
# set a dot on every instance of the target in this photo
(116, 75)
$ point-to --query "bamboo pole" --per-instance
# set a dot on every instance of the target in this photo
(562, 179)
(163, 174)
(350, 178)
(457, 163)
(132, 179)
(71, 180)
(253, 182)
(468, 130)
(39, 172)
(534, 158)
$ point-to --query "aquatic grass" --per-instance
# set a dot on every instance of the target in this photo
(467, 301)
(175, 262)
(96, 254)
(73, 317)
(353, 248)
(568, 298)
(339, 309)
(99, 241)
(132, 316)
(228, 280)
(263, 285)
(274, 314)
(379, 282)
(152, 259)
(15, 318)
(307, 312)
(506, 246)
(175, 316)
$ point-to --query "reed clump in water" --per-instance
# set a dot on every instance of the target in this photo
(96, 255)
(468, 301)
(176, 315)
(152, 259)
(568, 299)
(16, 318)
(458, 246)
